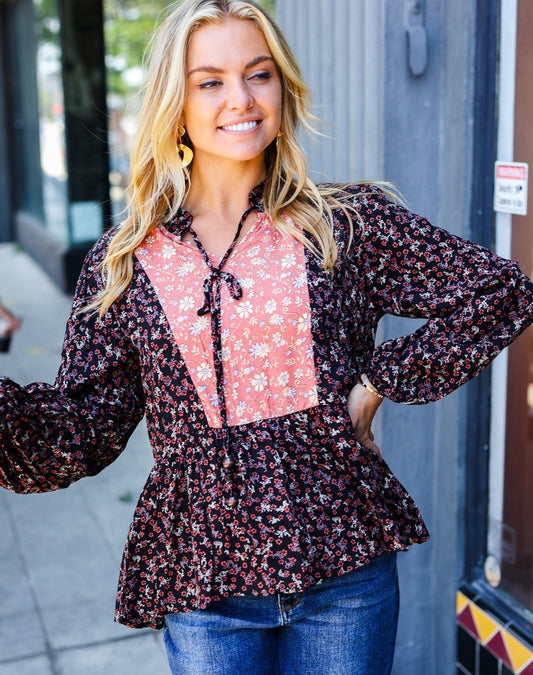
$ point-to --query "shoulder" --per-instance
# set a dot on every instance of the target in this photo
(90, 278)
(360, 203)
(362, 196)
(99, 249)
(358, 209)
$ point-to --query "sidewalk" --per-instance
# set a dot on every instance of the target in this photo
(60, 552)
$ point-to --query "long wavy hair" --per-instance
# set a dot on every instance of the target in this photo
(158, 181)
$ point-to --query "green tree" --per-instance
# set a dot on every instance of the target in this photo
(269, 5)
(128, 27)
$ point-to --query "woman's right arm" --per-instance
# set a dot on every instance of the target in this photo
(53, 435)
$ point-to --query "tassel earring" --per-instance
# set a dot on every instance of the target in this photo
(279, 135)
(184, 152)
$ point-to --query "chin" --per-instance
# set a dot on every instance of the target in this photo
(248, 155)
(233, 154)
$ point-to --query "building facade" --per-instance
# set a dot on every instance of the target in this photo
(426, 94)
(53, 131)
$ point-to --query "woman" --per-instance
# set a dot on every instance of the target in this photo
(237, 307)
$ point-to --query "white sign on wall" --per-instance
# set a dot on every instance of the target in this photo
(510, 187)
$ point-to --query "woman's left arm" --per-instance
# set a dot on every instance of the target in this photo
(475, 302)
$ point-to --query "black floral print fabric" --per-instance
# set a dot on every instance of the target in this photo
(282, 503)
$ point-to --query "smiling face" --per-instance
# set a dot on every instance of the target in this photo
(232, 109)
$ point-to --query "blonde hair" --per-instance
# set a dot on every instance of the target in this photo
(158, 181)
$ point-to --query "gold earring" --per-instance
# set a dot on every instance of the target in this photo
(184, 152)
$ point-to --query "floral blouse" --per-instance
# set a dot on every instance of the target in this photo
(242, 367)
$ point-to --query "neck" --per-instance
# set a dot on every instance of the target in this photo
(222, 192)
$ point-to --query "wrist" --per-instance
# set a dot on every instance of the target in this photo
(365, 382)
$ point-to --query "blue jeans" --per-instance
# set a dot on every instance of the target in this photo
(344, 626)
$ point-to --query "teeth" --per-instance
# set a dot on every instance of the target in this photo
(241, 126)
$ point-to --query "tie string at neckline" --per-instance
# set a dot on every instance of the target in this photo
(217, 274)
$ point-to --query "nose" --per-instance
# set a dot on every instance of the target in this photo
(239, 96)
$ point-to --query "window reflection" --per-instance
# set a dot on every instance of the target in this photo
(128, 26)
(51, 119)
(517, 533)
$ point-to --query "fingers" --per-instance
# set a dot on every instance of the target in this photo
(367, 440)
(375, 448)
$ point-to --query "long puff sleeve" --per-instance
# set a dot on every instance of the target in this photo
(476, 303)
(53, 435)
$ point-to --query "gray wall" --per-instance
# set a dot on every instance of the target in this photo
(339, 46)
(416, 132)
(6, 224)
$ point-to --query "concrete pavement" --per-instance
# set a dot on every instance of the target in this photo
(60, 552)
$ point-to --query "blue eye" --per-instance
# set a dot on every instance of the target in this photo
(210, 84)
(262, 76)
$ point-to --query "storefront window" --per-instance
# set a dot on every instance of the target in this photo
(128, 25)
(51, 120)
(510, 540)
(517, 533)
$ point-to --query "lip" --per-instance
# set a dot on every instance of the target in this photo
(241, 126)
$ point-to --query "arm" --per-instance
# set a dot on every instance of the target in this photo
(475, 302)
(52, 435)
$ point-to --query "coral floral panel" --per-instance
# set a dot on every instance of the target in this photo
(267, 347)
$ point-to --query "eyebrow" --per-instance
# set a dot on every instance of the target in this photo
(214, 69)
